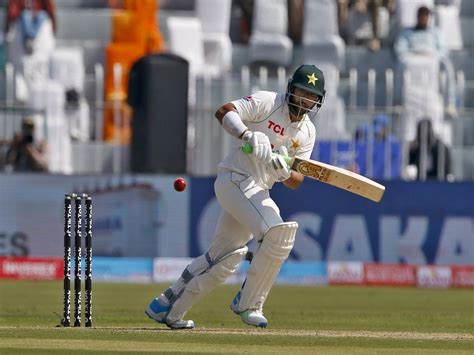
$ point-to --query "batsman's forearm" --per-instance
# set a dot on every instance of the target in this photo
(295, 180)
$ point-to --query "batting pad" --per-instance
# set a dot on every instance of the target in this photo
(274, 250)
(202, 284)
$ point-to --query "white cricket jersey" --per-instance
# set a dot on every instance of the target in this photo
(267, 112)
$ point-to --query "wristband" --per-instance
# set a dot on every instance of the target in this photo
(233, 124)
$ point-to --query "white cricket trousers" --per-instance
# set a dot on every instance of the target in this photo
(248, 211)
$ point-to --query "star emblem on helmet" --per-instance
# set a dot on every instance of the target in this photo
(312, 79)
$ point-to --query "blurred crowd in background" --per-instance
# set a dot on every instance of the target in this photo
(400, 78)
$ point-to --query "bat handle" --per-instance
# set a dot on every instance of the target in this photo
(248, 149)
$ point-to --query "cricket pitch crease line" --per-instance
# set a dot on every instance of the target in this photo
(283, 332)
(343, 334)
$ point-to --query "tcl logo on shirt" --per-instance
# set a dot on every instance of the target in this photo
(276, 128)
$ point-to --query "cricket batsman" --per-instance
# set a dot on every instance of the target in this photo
(269, 122)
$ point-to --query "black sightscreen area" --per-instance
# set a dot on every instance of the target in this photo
(158, 94)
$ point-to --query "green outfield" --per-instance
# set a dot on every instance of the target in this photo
(326, 320)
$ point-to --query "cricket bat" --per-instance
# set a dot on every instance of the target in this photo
(332, 175)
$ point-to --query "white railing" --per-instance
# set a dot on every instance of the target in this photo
(208, 143)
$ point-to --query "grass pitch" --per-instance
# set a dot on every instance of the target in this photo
(325, 320)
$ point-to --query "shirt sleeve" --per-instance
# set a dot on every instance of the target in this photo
(256, 106)
(402, 44)
(306, 148)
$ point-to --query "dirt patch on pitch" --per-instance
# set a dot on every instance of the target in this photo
(341, 334)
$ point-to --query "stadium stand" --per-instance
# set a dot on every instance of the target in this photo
(365, 81)
(269, 42)
(215, 34)
(321, 40)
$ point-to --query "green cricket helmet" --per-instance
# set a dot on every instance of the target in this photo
(311, 79)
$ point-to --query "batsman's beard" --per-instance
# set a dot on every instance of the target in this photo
(298, 110)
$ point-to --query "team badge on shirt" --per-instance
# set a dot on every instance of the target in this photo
(295, 144)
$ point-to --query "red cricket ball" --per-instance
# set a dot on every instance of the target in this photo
(179, 184)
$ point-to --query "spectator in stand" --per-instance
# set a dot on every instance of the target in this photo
(31, 15)
(376, 137)
(31, 10)
(378, 130)
(343, 16)
(381, 127)
(425, 40)
(363, 7)
(26, 154)
(363, 132)
(29, 28)
(429, 157)
(245, 23)
(295, 20)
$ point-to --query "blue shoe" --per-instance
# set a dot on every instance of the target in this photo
(157, 310)
(234, 306)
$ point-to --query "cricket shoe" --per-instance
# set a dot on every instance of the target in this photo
(180, 324)
(253, 317)
(158, 311)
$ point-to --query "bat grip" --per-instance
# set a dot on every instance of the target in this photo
(248, 149)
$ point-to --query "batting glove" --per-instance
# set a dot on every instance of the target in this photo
(278, 168)
(282, 150)
(261, 147)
